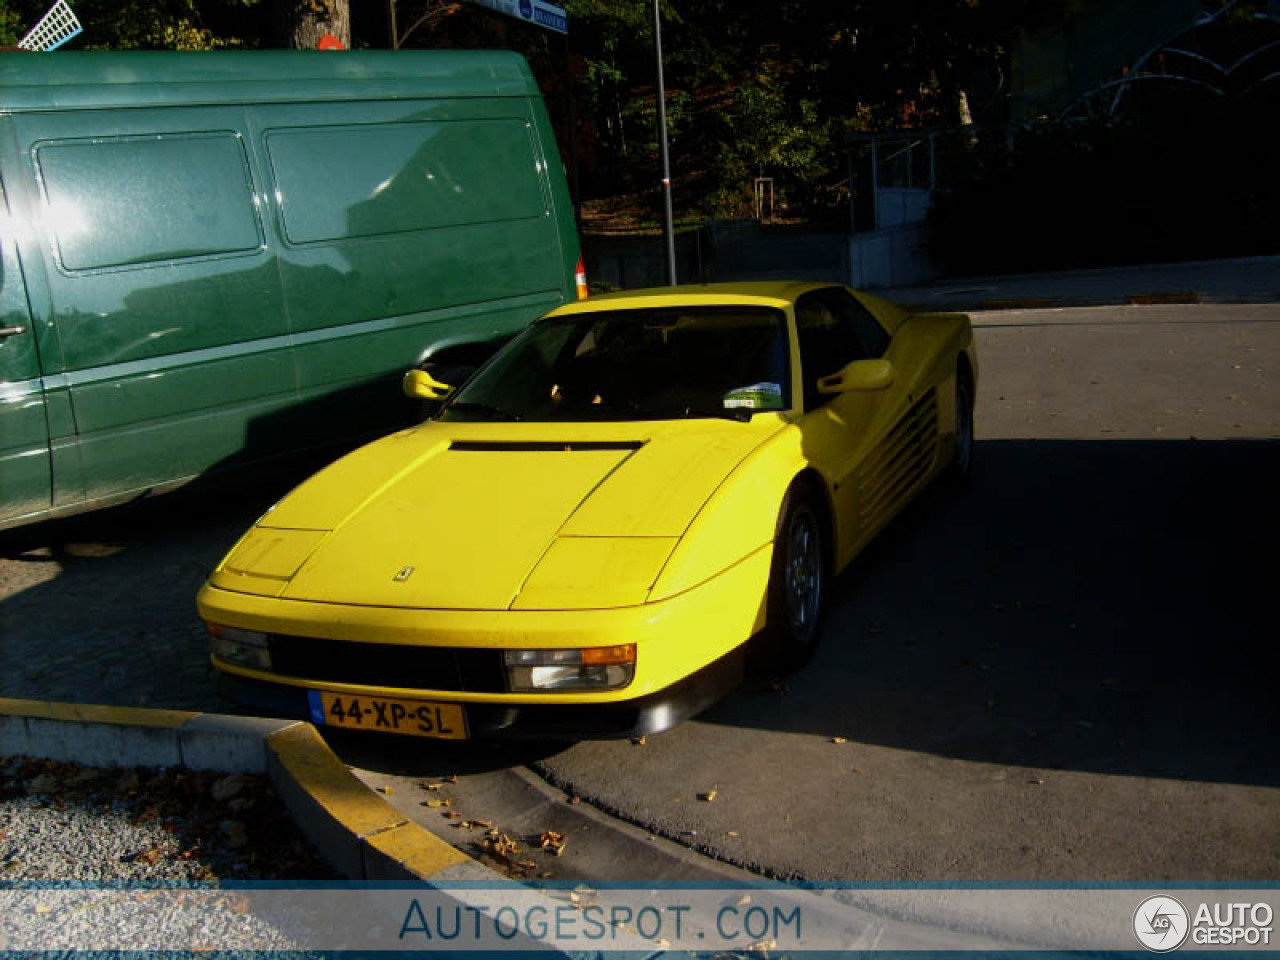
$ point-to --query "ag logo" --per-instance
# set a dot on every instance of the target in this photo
(1161, 923)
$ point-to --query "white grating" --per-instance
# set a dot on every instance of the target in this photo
(54, 29)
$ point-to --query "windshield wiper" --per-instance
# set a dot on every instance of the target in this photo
(495, 412)
(741, 414)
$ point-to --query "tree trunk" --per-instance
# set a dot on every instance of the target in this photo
(300, 24)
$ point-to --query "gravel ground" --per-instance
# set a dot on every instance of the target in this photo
(62, 824)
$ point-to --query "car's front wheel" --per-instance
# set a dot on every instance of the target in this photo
(962, 465)
(798, 580)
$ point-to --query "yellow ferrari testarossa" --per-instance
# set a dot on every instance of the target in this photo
(582, 539)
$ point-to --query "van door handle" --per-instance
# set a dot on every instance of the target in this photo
(12, 331)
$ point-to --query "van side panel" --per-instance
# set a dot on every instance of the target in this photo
(236, 255)
(411, 226)
(164, 291)
(26, 481)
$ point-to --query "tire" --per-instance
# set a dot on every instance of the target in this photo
(962, 463)
(797, 581)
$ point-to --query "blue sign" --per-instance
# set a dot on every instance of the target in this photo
(544, 14)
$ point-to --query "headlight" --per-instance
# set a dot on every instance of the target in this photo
(241, 648)
(553, 671)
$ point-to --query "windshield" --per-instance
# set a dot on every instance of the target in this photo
(651, 364)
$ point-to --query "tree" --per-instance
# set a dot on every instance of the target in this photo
(300, 24)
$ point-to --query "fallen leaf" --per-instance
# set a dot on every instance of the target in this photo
(437, 803)
(839, 739)
(731, 833)
(43, 908)
(451, 778)
(1036, 781)
(224, 788)
(574, 801)
(383, 790)
(148, 856)
(639, 741)
(474, 824)
(709, 796)
(430, 786)
(552, 842)
(857, 770)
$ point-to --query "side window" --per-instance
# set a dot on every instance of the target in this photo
(344, 183)
(124, 201)
(828, 342)
(873, 338)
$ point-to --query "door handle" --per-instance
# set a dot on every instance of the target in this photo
(12, 331)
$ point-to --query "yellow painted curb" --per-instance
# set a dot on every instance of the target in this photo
(92, 713)
(362, 834)
(417, 850)
(356, 830)
(316, 769)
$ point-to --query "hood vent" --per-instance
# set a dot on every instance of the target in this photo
(559, 446)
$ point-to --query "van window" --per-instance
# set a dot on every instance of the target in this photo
(133, 200)
(339, 183)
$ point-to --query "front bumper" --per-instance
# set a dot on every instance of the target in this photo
(688, 654)
(652, 713)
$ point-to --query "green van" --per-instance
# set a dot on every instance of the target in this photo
(211, 259)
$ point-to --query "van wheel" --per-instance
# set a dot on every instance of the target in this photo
(797, 581)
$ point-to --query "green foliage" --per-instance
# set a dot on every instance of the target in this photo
(145, 24)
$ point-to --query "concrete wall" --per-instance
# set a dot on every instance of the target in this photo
(891, 257)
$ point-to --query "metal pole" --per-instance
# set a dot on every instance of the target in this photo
(668, 227)
(391, 23)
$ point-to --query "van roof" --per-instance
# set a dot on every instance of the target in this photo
(88, 80)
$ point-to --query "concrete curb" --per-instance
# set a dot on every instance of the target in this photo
(360, 834)
(965, 304)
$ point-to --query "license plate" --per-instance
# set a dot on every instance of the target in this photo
(419, 718)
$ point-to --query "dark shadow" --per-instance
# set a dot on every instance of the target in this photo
(115, 623)
(432, 759)
(1104, 606)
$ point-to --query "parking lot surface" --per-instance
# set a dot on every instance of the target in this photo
(1066, 672)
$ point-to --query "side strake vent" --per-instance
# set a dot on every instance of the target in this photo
(898, 465)
(559, 446)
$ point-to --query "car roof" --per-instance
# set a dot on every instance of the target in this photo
(773, 293)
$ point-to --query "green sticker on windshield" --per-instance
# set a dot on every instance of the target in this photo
(758, 396)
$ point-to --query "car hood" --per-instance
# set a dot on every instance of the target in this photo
(494, 516)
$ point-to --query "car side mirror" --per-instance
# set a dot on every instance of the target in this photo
(435, 381)
(860, 376)
(420, 385)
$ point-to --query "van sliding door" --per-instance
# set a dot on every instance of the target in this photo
(405, 227)
(26, 483)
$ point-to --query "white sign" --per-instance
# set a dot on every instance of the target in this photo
(539, 12)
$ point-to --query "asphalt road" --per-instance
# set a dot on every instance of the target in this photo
(1069, 672)
(1066, 672)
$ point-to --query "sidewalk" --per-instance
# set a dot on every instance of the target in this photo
(1243, 280)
